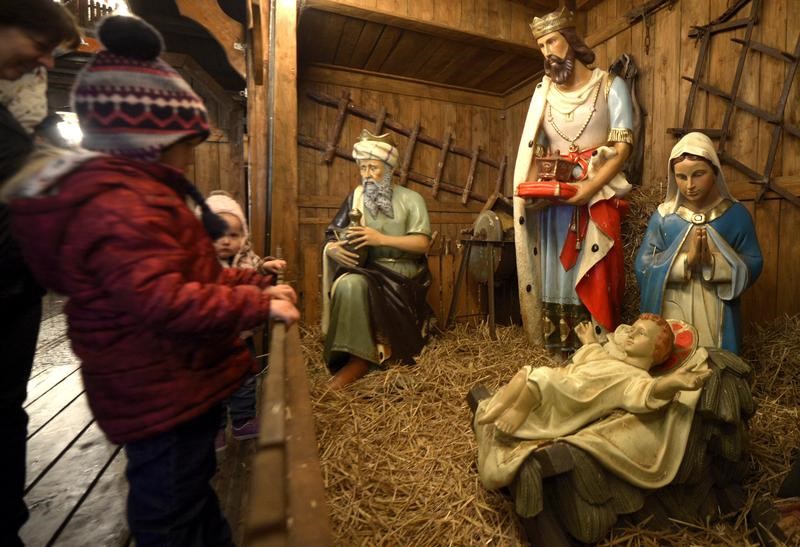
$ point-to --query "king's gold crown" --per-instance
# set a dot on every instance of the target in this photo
(367, 135)
(552, 22)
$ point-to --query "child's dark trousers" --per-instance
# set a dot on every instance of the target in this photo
(170, 501)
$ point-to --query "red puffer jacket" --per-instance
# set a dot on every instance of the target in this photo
(152, 315)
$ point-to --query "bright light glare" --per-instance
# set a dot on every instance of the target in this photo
(69, 129)
(122, 9)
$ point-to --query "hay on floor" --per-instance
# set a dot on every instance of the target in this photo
(398, 454)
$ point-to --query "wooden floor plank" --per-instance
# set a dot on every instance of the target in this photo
(100, 519)
(238, 488)
(44, 448)
(46, 380)
(46, 407)
(54, 497)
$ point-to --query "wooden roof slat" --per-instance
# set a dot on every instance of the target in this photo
(369, 36)
(401, 60)
(383, 48)
(438, 60)
(409, 22)
(351, 32)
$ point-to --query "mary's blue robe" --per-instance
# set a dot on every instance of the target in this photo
(733, 234)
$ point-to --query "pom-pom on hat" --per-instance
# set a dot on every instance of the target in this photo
(131, 103)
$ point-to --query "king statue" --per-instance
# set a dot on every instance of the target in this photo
(569, 250)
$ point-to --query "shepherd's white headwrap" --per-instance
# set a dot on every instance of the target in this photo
(377, 194)
(376, 147)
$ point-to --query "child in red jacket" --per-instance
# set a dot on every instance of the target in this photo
(235, 251)
(152, 315)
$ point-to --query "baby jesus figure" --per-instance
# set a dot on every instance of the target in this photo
(545, 402)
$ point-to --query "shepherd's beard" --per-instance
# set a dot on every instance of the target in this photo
(560, 70)
(385, 181)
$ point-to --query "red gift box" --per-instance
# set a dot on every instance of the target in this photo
(548, 189)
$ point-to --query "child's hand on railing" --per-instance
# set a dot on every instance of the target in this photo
(283, 310)
(282, 292)
(272, 266)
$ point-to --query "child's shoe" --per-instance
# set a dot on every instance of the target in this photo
(220, 441)
(246, 430)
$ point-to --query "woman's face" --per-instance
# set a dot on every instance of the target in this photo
(697, 183)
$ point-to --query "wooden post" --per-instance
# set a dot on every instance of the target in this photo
(283, 98)
(437, 180)
(381, 117)
(225, 30)
(501, 177)
(412, 142)
(473, 166)
(258, 36)
(257, 129)
(336, 130)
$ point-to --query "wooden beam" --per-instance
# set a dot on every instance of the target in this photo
(310, 142)
(283, 95)
(257, 40)
(373, 81)
(522, 92)
(586, 5)
(409, 22)
(258, 139)
(747, 191)
(624, 22)
(287, 498)
(227, 31)
(608, 31)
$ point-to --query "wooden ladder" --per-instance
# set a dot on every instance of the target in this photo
(776, 118)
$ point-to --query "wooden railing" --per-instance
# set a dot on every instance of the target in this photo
(287, 501)
(86, 12)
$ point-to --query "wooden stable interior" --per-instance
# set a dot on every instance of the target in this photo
(463, 71)
(468, 68)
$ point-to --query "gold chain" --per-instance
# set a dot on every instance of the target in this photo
(572, 146)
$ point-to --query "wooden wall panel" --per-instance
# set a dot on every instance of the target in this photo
(495, 18)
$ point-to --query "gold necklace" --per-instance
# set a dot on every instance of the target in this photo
(572, 146)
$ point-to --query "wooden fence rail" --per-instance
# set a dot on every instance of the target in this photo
(287, 501)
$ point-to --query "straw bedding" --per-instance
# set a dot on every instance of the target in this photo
(398, 454)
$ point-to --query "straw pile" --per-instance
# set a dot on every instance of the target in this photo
(397, 450)
(643, 201)
(398, 454)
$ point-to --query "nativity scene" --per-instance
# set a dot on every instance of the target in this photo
(429, 272)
